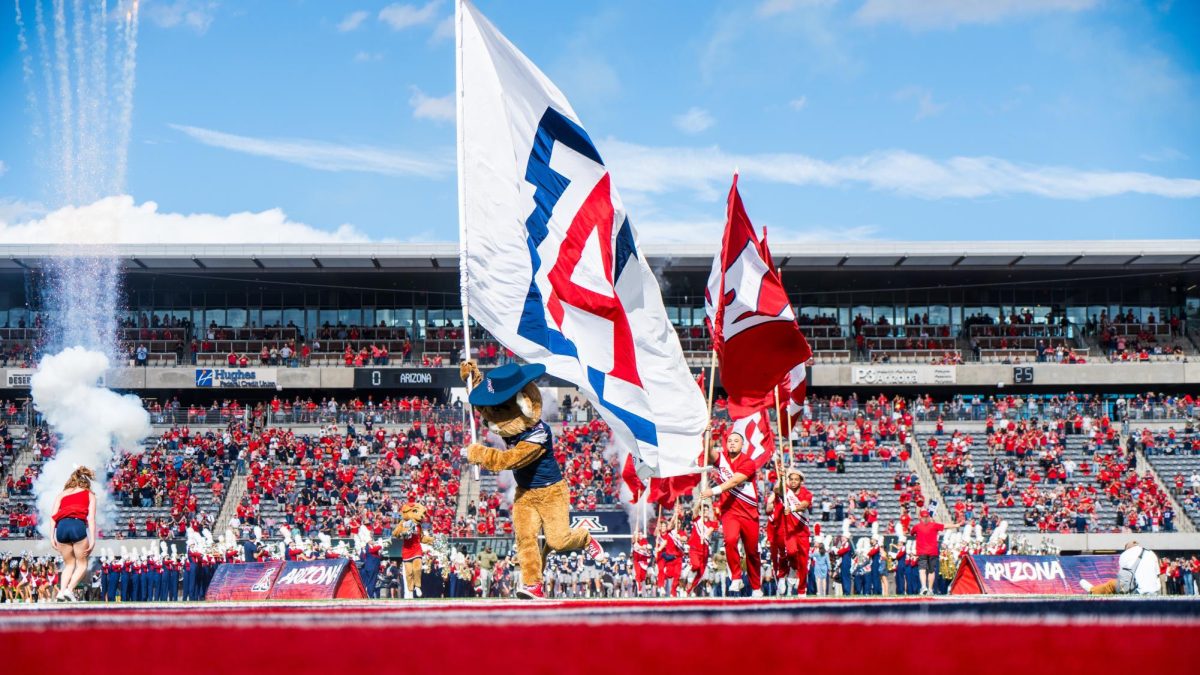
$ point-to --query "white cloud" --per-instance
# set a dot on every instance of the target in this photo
(14, 210)
(353, 20)
(364, 56)
(440, 109)
(195, 14)
(798, 104)
(400, 16)
(931, 14)
(3, 168)
(694, 121)
(118, 220)
(444, 30)
(651, 230)
(325, 156)
(706, 172)
(769, 8)
(926, 106)
(1160, 155)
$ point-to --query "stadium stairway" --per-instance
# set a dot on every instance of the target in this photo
(917, 462)
(233, 497)
(25, 457)
(469, 488)
(874, 476)
(1164, 468)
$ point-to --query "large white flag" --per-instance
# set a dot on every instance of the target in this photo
(550, 263)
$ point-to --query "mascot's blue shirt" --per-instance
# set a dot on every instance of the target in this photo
(543, 471)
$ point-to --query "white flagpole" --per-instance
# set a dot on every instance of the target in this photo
(462, 214)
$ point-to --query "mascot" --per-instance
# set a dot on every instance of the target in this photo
(412, 535)
(511, 405)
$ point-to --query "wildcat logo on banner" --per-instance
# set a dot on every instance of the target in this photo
(550, 262)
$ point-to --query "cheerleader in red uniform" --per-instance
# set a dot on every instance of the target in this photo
(74, 533)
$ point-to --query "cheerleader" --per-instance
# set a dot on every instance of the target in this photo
(74, 533)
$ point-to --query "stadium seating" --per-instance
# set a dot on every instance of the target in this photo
(1176, 459)
(1053, 482)
(178, 479)
(331, 482)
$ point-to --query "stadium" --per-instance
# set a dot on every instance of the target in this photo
(924, 353)
(608, 426)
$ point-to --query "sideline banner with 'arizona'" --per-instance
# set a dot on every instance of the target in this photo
(551, 264)
(290, 580)
(1032, 574)
(318, 580)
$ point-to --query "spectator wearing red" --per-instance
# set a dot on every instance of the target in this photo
(926, 533)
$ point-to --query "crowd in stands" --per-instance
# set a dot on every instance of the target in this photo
(1027, 466)
(337, 479)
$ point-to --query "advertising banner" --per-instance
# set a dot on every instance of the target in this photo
(903, 375)
(1032, 574)
(18, 378)
(318, 580)
(236, 378)
(249, 581)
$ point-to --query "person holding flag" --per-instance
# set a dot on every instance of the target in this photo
(703, 526)
(739, 506)
(641, 556)
(792, 537)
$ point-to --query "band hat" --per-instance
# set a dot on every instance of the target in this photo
(503, 383)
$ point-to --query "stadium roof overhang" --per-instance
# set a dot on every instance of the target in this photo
(800, 256)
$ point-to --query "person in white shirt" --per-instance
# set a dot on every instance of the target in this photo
(1137, 573)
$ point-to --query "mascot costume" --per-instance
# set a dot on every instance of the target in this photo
(412, 536)
(511, 405)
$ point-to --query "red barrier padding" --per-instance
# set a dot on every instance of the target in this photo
(249, 581)
(635, 647)
(1032, 574)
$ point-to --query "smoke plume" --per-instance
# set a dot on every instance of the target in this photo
(93, 422)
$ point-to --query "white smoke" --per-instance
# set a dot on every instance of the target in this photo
(93, 422)
(635, 513)
(550, 407)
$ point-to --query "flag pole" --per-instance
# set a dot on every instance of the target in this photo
(712, 376)
(463, 258)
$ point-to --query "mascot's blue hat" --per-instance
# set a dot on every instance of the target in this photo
(503, 383)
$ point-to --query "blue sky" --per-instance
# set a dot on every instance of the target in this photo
(849, 119)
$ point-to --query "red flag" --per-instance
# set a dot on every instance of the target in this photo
(629, 475)
(700, 381)
(758, 437)
(749, 316)
(794, 386)
(665, 491)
